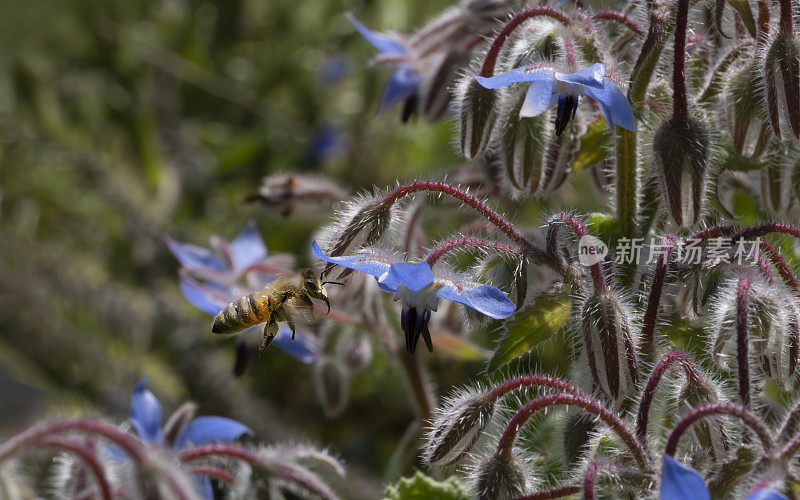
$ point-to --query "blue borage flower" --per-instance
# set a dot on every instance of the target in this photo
(211, 281)
(404, 82)
(415, 284)
(680, 482)
(146, 415)
(549, 88)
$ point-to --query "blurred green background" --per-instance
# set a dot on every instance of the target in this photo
(125, 120)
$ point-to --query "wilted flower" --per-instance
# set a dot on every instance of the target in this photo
(211, 282)
(552, 88)
(679, 482)
(420, 291)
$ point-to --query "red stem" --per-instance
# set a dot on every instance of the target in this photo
(87, 455)
(216, 472)
(530, 381)
(742, 309)
(591, 476)
(654, 300)
(468, 243)
(680, 108)
(783, 268)
(619, 17)
(786, 27)
(223, 450)
(598, 277)
(557, 492)
(487, 70)
(742, 414)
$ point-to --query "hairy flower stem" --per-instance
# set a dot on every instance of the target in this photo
(506, 442)
(598, 277)
(762, 32)
(487, 70)
(785, 25)
(590, 477)
(789, 427)
(783, 268)
(459, 244)
(765, 229)
(619, 17)
(742, 340)
(87, 455)
(215, 472)
(743, 414)
(530, 381)
(680, 107)
(654, 300)
(557, 492)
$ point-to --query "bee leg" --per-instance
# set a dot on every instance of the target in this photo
(291, 324)
(270, 330)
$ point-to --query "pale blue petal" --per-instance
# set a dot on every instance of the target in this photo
(614, 105)
(362, 262)
(402, 84)
(145, 414)
(592, 77)
(248, 247)
(204, 487)
(301, 348)
(114, 452)
(767, 494)
(414, 275)
(516, 75)
(679, 482)
(485, 299)
(205, 297)
(387, 44)
(193, 256)
(205, 430)
(538, 99)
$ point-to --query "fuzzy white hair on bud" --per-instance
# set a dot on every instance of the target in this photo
(500, 477)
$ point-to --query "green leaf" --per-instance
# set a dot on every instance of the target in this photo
(421, 486)
(531, 326)
(594, 145)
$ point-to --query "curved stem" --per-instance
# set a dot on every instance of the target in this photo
(557, 492)
(680, 109)
(591, 476)
(742, 414)
(465, 244)
(783, 268)
(215, 472)
(506, 442)
(654, 300)
(742, 341)
(530, 381)
(789, 426)
(87, 455)
(620, 18)
(598, 277)
(487, 70)
(218, 450)
(765, 229)
(667, 360)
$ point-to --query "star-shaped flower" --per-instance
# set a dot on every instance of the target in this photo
(680, 482)
(415, 284)
(404, 82)
(549, 88)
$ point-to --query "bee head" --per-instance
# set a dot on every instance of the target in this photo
(314, 288)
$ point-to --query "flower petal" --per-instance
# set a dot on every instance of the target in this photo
(679, 482)
(767, 494)
(387, 44)
(614, 105)
(145, 414)
(413, 275)
(248, 247)
(485, 299)
(302, 348)
(205, 430)
(402, 84)
(193, 256)
(538, 99)
(594, 76)
(517, 75)
(204, 296)
(360, 262)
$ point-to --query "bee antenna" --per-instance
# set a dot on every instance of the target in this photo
(332, 283)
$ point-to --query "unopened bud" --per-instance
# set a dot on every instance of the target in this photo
(710, 433)
(476, 116)
(745, 109)
(782, 83)
(776, 188)
(436, 90)
(500, 477)
(682, 152)
(457, 425)
(293, 194)
(577, 431)
(332, 382)
(609, 345)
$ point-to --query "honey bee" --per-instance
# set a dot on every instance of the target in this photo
(287, 299)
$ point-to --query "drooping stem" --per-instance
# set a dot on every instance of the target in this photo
(87, 455)
(458, 244)
(487, 70)
(743, 414)
(598, 277)
(680, 107)
(783, 268)
(654, 300)
(506, 442)
(762, 32)
(667, 360)
(557, 492)
(619, 17)
(215, 472)
(742, 340)
(789, 427)
(530, 381)
(765, 229)
(590, 477)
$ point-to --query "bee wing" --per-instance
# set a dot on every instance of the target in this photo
(298, 310)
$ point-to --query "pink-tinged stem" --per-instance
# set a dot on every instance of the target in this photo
(789, 427)
(742, 414)
(129, 444)
(742, 340)
(87, 455)
(215, 472)
(487, 70)
(620, 18)
(459, 244)
(680, 108)
(218, 450)
(557, 492)
(590, 477)
(783, 268)
(762, 31)
(667, 360)
(786, 26)
(598, 277)
(530, 381)
(569, 51)
(765, 229)
(654, 300)
(506, 442)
